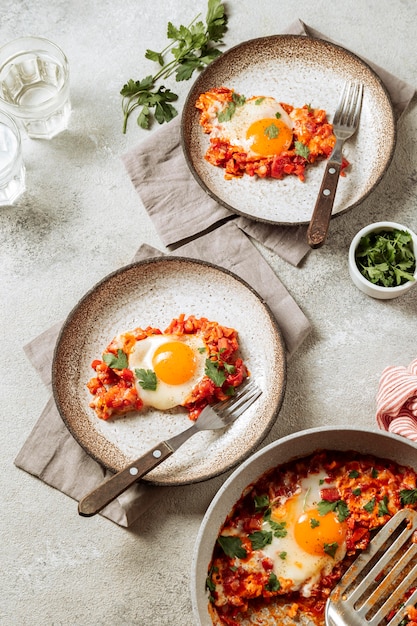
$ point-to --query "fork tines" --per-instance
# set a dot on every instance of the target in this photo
(348, 109)
(247, 393)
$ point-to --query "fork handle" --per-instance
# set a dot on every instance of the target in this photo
(320, 220)
(111, 488)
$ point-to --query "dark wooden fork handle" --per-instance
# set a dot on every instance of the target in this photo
(320, 220)
(111, 488)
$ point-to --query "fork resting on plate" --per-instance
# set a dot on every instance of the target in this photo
(212, 417)
(345, 123)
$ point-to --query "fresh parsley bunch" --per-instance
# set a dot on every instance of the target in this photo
(386, 258)
(193, 48)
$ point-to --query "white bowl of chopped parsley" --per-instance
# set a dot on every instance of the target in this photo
(382, 260)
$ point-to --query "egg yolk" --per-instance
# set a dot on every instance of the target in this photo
(270, 136)
(313, 532)
(174, 362)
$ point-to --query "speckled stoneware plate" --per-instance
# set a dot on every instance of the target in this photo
(297, 445)
(152, 293)
(297, 70)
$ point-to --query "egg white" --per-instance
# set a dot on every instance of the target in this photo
(166, 396)
(295, 564)
(254, 109)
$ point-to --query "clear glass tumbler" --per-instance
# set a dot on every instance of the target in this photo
(12, 169)
(34, 85)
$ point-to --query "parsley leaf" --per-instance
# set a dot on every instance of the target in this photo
(261, 502)
(215, 373)
(314, 523)
(259, 101)
(386, 258)
(271, 131)
(330, 548)
(278, 528)
(118, 362)
(232, 546)
(192, 47)
(301, 149)
(260, 539)
(340, 506)
(273, 583)
(228, 112)
(369, 506)
(408, 496)
(383, 506)
(353, 474)
(146, 378)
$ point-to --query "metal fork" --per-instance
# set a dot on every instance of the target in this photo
(212, 417)
(345, 123)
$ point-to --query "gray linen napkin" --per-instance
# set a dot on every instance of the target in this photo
(52, 454)
(180, 209)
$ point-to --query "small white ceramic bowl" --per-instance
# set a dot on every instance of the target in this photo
(298, 445)
(377, 291)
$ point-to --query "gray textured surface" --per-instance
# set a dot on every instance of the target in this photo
(81, 218)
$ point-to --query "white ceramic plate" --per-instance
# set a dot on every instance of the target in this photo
(298, 445)
(297, 70)
(152, 293)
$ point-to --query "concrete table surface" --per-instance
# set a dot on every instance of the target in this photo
(81, 218)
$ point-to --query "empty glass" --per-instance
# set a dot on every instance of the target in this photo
(12, 169)
(34, 85)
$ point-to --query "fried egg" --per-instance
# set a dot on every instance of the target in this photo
(260, 126)
(178, 363)
(312, 543)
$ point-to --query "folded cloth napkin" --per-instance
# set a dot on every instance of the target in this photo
(53, 455)
(397, 400)
(180, 209)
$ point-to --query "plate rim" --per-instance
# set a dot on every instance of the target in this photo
(191, 98)
(153, 261)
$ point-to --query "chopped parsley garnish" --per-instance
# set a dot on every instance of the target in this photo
(214, 372)
(314, 523)
(146, 379)
(260, 539)
(278, 528)
(374, 473)
(118, 362)
(273, 583)
(386, 258)
(340, 506)
(259, 100)
(278, 115)
(282, 555)
(354, 474)
(261, 502)
(357, 491)
(369, 506)
(271, 131)
(408, 496)
(229, 111)
(232, 546)
(301, 149)
(330, 548)
(383, 506)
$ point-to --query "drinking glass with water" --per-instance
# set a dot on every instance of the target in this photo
(34, 85)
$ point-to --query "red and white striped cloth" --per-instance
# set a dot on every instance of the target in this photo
(397, 400)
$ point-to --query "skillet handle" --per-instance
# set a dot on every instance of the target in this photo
(110, 489)
(320, 220)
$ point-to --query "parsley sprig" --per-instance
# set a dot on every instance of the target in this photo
(386, 258)
(193, 47)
